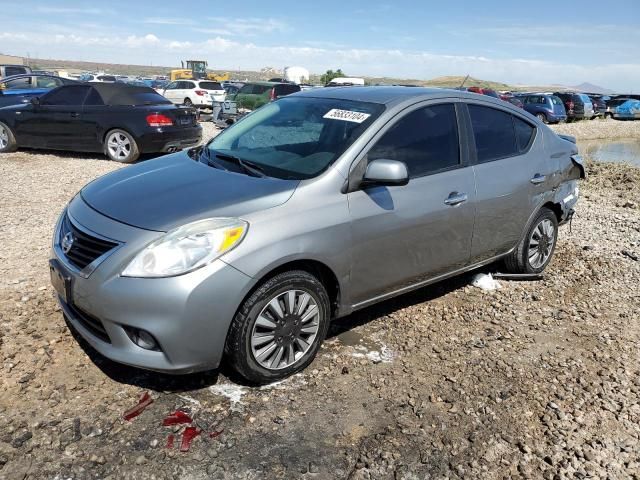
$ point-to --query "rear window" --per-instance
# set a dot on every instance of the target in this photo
(211, 86)
(286, 89)
(585, 98)
(8, 71)
(149, 98)
(555, 100)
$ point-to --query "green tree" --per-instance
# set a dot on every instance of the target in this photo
(330, 75)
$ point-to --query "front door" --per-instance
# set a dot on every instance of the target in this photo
(56, 122)
(404, 235)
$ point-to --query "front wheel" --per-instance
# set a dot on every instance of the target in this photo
(279, 328)
(7, 139)
(121, 147)
(534, 252)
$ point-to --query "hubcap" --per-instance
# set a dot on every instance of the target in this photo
(4, 137)
(285, 330)
(119, 146)
(541, 243)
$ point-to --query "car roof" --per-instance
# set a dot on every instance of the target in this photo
(388, 95)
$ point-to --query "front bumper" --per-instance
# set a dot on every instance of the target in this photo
(188, 315)
(170, 140)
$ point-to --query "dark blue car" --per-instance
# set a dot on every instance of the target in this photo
(22, 88)
(548, 108)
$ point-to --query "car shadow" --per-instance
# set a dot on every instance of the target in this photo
(157, 381)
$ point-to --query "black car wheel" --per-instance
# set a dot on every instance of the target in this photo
(121, 147)
(7, 139)
(187, 102)
(542, 117)
(279, 328)
(534, 252)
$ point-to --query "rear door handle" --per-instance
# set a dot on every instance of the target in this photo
(455, 198)
(538, 179)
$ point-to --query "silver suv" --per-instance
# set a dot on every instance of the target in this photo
(310, 208)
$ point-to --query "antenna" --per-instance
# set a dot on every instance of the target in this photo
(464, 81)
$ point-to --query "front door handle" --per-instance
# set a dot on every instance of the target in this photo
(74, 115)
(455, 198)
(538, 179)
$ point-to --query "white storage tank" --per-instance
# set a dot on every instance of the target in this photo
(296, 74)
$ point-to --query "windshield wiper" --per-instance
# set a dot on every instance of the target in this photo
(205, 154)
(249, 167)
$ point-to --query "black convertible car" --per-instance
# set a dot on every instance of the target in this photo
(120, 120)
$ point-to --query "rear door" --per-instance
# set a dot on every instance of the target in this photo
(408, 234)
(56, 122)
(510, 177)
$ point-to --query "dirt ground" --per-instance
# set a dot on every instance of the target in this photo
(533, 380)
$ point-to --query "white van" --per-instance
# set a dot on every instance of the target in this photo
(345, 82)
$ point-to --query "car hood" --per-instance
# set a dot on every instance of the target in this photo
(173, 190)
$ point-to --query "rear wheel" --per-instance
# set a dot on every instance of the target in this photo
(187, 102)
(121, 147)
(542, 117)
(7, 139)
(534, 252)
(278, 330)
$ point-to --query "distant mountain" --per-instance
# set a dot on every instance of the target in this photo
(591, 88)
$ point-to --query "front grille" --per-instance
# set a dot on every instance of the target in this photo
(89, 322)
(84, 248)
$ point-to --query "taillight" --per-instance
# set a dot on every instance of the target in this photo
(272, 95)
(200, 92)
(159, 120)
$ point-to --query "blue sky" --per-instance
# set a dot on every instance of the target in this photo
(548, 42)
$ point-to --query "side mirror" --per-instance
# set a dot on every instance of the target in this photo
(386, 172)
(35, 101)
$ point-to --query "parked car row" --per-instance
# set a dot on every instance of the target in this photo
(21, 88)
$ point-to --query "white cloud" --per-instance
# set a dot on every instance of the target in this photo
(224, 53)
(245, 26)
(168, 21)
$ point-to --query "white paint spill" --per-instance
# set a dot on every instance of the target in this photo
(231, 391)
(189, 399)
(485, 282)
(384, 355)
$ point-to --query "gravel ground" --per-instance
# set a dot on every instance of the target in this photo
(533, 380)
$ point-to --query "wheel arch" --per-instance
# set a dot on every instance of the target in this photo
(318, 269)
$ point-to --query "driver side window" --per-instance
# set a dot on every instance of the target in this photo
(426, 140)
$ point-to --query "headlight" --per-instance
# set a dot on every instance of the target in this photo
(187, 248)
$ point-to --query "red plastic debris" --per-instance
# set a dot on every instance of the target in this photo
(189, 434)
(170, 441)
(176, 418)
(216, 434)
(144, 402)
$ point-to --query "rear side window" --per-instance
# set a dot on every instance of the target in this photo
(555, 100)
(72, 95)
(524, 133)
(426, 140)
(260, 89)
(48, 82)
(494, 133)
(93, 99)
(211, 86)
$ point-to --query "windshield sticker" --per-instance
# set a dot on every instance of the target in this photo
(347, 115)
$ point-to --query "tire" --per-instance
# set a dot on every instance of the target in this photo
(262, 344)
(542, 117)
(543, 232)
(187, 102)
(7, 139)
(120, 146)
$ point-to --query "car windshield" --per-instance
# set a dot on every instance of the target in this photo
(296, 138)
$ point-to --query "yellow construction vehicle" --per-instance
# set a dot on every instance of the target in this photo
(196, 70)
